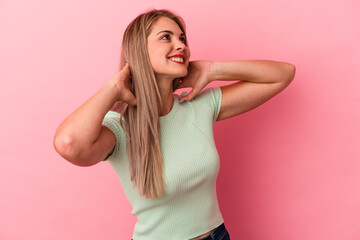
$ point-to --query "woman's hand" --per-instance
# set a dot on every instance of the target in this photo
(199, 75)
(122, 80)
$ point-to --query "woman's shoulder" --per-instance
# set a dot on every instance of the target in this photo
(208, 101)
(112, 121)
(112, 114)
(209, 92)
(209, 96)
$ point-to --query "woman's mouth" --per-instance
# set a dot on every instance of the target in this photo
(177, 60)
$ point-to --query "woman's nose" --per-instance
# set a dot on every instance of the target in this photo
(179, 45)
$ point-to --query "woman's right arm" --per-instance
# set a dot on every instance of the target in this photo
(81, 138)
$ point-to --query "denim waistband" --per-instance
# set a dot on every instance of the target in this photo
(219, 233)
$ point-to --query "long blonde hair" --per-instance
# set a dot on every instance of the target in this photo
(142, 125)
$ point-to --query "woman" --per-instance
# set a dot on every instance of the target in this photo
(160, 144)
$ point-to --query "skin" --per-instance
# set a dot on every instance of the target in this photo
(161, 45)
(260, 79)
(82, 140)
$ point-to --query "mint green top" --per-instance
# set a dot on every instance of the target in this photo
(191, 165)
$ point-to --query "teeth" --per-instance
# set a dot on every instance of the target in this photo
(176, 59)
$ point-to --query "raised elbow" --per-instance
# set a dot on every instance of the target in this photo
(66, 147)
(63, 145)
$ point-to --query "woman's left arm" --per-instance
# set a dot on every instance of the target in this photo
(259, 80)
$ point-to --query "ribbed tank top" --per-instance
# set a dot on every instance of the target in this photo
(191, 165)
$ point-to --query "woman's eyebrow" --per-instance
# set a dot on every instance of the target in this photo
(170, 32)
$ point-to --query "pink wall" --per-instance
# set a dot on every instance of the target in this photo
(289, 169)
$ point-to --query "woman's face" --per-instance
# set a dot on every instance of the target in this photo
(169, 56)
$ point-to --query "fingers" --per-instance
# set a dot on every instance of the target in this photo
(124, 74)
(129, 98)
(124, 83)
(133, 102)
(181, 85)
(189, 96)
(185, 83)
(126, 68)
(124, 71)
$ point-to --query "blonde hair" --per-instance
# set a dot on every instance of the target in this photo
(142, 125)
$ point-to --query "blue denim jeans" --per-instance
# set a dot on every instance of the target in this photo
(219, 233)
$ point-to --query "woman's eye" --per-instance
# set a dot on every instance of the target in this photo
(166, 37)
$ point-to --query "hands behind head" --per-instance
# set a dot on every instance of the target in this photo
(122, 80)
(199, 75)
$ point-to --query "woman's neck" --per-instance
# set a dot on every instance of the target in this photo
(166, 94)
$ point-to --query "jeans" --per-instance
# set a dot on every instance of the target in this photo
(219, 233)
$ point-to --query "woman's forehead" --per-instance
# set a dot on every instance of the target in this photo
(165, 24)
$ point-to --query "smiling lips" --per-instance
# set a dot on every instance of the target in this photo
(179, 58)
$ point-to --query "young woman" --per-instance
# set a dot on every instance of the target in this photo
(160, 144)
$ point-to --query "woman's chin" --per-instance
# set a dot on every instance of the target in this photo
(172, 76)
(183, 74)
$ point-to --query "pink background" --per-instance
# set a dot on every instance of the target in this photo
(290, 169)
